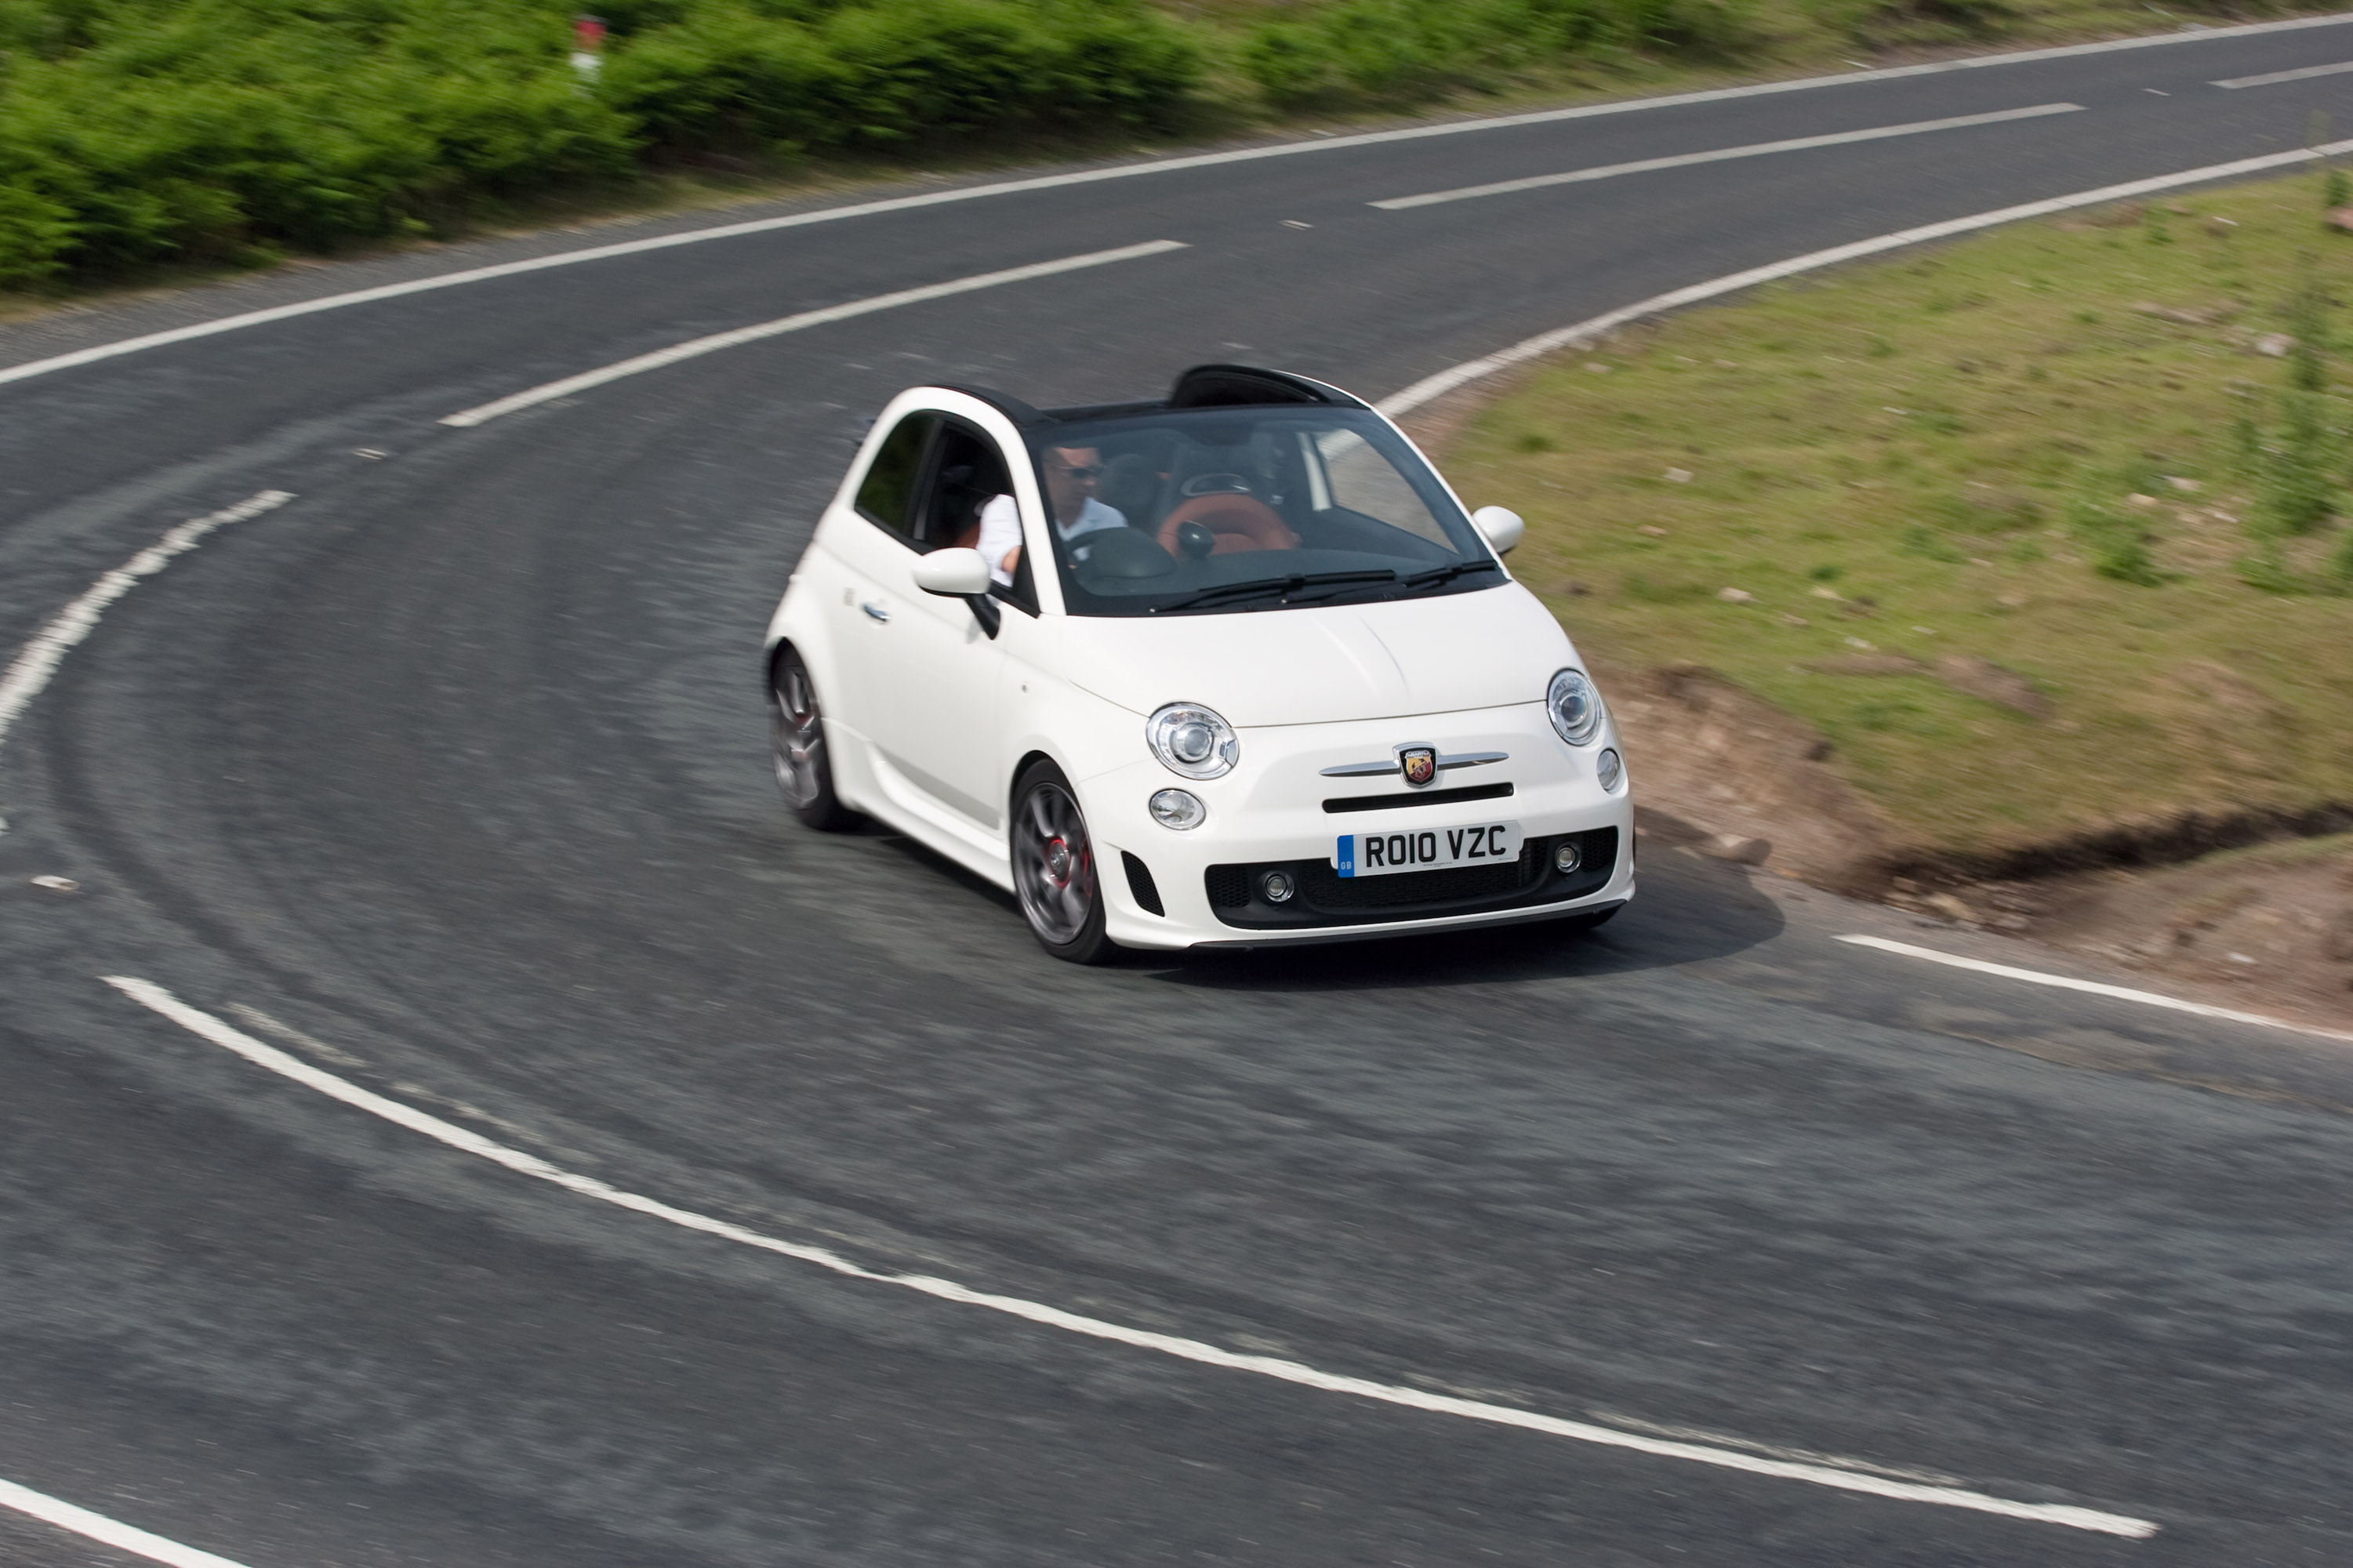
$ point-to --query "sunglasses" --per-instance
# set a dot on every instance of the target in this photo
(1092, 471)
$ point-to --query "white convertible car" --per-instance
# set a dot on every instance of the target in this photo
(1232, 668)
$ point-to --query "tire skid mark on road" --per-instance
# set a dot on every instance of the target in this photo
(1861, 1478)
(30, 672)
(101, 352)
(107, 1531)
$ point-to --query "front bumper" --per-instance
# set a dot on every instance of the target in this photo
(1325, 898)
(1271, 812)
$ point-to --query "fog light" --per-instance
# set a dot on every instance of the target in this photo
(1609, 768)
(1276, 886)
(1566, 858)
(1179, 809)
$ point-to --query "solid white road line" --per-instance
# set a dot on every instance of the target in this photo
(2276, 77)
(1719, 155)
(2094, 987)
(717, 340)
(1586, 331)
(106, 1532)
(39, 658)
(1123, 171)
(269, 1057)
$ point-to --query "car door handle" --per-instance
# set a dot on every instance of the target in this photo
(875, 612)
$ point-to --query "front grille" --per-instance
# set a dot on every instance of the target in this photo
(1420, 798)
(1327, 897)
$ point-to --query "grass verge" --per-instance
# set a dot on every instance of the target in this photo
(2043, 529)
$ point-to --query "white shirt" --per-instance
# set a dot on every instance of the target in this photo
(1000, 530)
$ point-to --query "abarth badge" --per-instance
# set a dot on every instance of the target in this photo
(1420, 764)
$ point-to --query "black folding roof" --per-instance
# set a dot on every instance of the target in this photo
(1203, 386)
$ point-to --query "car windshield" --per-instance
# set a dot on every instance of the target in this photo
(1211, 510)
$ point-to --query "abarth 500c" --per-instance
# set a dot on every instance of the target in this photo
(1229, 669)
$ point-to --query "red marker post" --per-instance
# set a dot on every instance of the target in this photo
(587, 49)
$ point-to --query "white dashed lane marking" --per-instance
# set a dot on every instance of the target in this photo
(2275, 77)
(695, 348)
(1721, 155)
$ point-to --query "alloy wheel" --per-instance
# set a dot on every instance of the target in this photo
(1053, 863)
(799, 735)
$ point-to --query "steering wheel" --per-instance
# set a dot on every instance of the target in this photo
(1238, 521)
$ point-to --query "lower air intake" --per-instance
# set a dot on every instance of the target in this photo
(1145, 892)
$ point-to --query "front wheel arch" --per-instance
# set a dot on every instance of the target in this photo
(1022, 766)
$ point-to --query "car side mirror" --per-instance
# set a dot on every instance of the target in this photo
(1501, 525)
(952, 574)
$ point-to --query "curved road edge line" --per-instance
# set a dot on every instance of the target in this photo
(1431, 387)
(205, 1026)
(2092, 987)
(98, 351)
(107, 1531)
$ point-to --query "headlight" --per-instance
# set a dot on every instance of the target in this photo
(1193, 741)
(1609, 768)
(1574, 707)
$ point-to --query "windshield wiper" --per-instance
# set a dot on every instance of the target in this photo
(1290, 585)
(1431, 579)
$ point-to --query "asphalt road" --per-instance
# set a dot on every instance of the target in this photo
(449, 777)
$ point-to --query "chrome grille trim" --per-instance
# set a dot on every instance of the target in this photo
(1371, 770)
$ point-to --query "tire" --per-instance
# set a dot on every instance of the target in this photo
(1054, 869)
(1577, 925)
(796, 725)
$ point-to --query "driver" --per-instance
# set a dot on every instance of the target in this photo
(1071, 474)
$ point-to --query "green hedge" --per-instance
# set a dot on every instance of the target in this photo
(138, 130)
(1406, 49)
(133, 132)
(724, 75)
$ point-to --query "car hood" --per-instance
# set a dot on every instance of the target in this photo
(1386, 661)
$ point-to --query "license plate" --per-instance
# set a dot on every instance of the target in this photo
(1430, 849)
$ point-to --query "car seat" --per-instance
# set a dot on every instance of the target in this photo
(1238, 521)
(1130, 486)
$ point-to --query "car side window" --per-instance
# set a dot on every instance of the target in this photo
(967, 473)
(887, 494)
